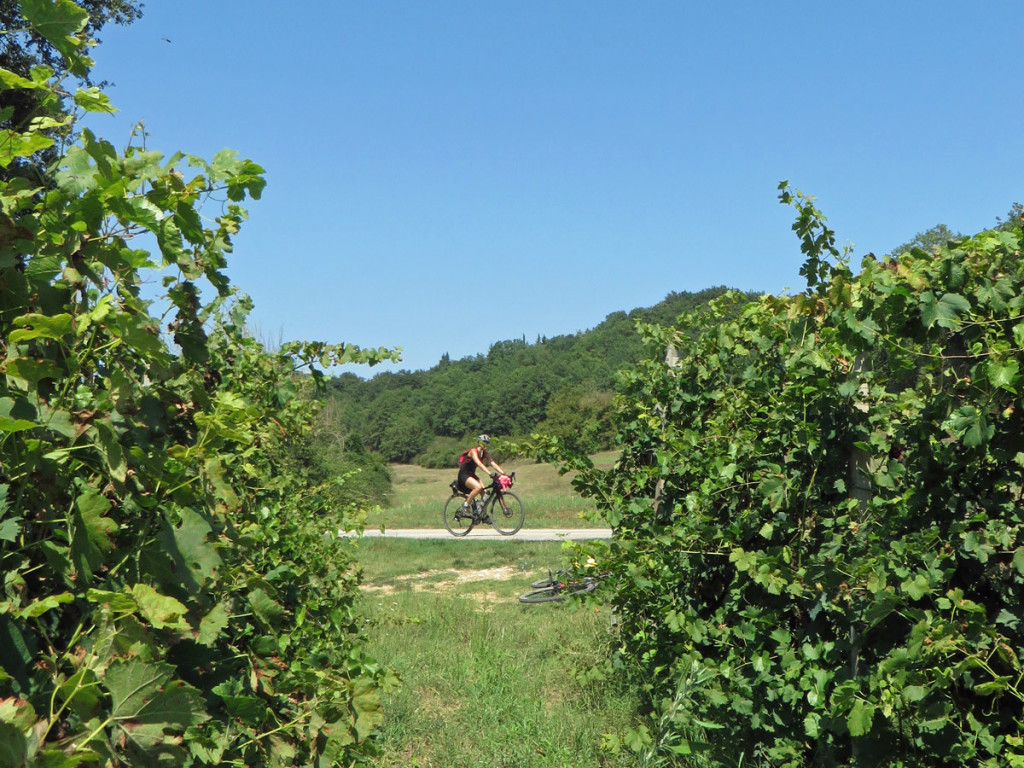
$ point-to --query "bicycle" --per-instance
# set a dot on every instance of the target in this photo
(553, 590)
(498, 506)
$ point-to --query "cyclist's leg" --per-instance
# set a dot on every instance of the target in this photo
(475, 488)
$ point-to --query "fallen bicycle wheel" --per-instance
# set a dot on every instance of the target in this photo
(557, 592)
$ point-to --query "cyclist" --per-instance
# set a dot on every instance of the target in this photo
(476, 456)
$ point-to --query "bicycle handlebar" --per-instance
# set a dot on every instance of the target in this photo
(495, 483)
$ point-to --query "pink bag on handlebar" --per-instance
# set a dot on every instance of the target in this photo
(505, 482)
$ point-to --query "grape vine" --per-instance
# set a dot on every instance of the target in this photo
(170, 593)
(819, 528)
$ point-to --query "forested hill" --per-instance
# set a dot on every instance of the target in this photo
(562, 384)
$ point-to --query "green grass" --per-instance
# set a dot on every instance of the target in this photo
(419, 494)
(486, 680)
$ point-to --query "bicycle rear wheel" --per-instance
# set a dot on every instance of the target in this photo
(507, 513)
(457, 523)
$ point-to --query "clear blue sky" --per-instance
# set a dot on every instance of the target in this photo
(443, 175)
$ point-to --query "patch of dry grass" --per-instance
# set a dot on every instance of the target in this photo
(443, 580)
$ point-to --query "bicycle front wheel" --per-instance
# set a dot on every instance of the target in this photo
(507, 514)
(457, 523)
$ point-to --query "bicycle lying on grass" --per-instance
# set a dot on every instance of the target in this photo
(497, 506)
(560, 585)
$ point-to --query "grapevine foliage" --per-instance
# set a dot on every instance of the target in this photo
(818, 514)
(169, 594)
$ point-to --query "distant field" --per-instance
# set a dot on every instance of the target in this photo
(549, 499)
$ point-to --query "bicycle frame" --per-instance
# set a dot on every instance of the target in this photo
(554, 590)
(492, 490)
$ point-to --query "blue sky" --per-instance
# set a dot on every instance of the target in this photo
(443, 175)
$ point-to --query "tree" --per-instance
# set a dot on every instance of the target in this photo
(580, 418)
(936, 237)
(940, 235)
(1013, 217)
(22, 49)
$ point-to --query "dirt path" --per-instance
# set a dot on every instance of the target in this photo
(488, 533)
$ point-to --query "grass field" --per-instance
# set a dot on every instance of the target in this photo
(419, 494)
(486, 680)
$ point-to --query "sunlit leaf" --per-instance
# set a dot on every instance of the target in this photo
(36, 326)
(1004, 375)
(48, 603)
(212, 624)
(265, 607)
(160, 610)
(860, 718)
(93, 100)
(55, 19)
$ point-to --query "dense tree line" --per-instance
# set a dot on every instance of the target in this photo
(560, 385)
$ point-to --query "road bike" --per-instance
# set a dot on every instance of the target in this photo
(497, 506)
(558, 586)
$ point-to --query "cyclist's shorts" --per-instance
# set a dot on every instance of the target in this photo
(466, 472)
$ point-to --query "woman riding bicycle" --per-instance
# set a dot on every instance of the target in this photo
(476, 456)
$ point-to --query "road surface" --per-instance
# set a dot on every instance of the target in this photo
(487, 532)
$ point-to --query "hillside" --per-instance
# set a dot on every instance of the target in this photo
(563, 383)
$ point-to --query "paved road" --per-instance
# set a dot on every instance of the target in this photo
(487, 532)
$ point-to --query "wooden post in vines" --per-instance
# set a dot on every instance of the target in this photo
(860, 460)
(859, 489)
(671, 360)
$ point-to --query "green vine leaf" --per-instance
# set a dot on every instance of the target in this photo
(57, 21)
(1018, 560)
(148, 703)
(10, 527)
(92, 99)
(48, 603)
(970, 424)
(268, 610)
(860, 718)
(1004, 375)
(944, 312)
(212, 625)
